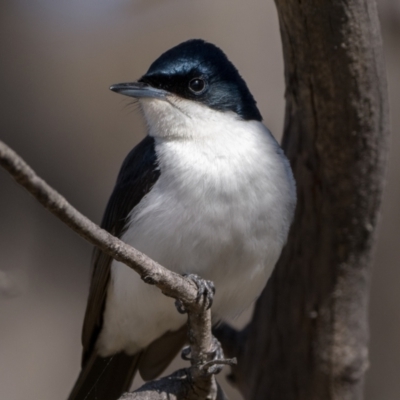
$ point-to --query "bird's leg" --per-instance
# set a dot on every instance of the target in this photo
(206, 290)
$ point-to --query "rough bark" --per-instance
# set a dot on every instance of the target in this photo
(309, 335)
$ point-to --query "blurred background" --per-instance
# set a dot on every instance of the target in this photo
(58, 60)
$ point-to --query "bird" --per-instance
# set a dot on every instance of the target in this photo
(207, 192)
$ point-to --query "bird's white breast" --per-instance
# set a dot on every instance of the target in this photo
(221, 209)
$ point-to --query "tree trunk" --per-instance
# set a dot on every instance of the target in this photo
(309, 334)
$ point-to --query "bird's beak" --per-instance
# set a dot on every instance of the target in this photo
(138, 90)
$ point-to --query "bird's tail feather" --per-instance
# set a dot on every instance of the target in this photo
(105, 378)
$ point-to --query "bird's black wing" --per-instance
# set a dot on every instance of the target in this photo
(138, 174)
(107, 378)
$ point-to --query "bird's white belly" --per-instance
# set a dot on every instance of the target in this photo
(215, 217)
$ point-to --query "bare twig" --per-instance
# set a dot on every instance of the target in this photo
(192, 383)
(171, 284)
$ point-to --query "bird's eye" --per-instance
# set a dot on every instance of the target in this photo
(197, 85)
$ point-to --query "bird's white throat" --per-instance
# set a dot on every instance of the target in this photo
(177, 118)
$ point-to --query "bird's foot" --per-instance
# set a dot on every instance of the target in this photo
(205, 290)
(216, 357)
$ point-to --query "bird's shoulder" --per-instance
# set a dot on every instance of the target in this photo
(139, 172)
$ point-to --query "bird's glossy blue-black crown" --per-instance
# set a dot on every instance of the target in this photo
(200, 71)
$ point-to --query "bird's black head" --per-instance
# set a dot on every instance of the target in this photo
(199, 71)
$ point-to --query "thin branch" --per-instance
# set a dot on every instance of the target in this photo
(170, 283)
(192, 383)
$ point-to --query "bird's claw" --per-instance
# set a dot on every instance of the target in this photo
(218, 362)
(205, 289)
(180, 307)
(216, 350)
(216, 358)
(185, 354)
